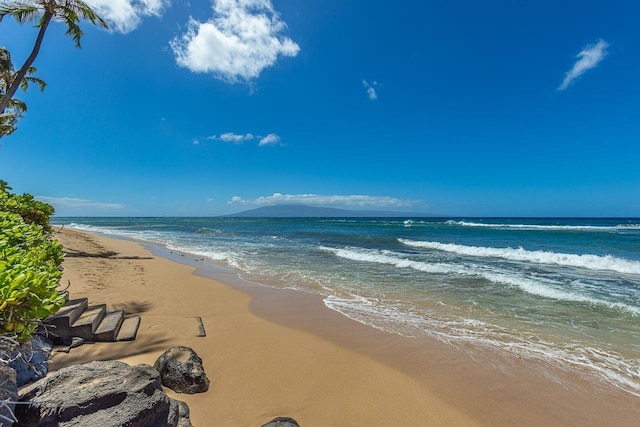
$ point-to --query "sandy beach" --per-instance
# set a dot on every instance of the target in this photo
(272, 353)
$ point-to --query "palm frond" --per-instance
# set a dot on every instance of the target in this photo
(29, 78)
(18, 106)
(88, 14)
(24, 84)
(20, 11)
(5, 60)
(74, 31)
(7, 124)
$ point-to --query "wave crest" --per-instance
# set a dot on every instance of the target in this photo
(590, 262)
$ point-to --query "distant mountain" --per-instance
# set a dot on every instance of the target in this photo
(303, 211)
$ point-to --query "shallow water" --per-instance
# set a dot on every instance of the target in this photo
(561, 291)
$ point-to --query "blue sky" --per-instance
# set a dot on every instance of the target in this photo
(494, 108)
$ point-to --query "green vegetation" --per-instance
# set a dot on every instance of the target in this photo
(29, 265)
(31, 210)
(70, 13)
(15, 108)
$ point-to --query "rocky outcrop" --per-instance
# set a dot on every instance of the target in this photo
(8, 394)
(282, 422)
(98, 394)
(30, 360)
(179, 413)
(181, 370)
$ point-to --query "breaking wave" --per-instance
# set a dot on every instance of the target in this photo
(590, 262)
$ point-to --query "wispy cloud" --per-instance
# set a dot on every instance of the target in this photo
(370, 88)
(271, 139)
(241, 39)
(125, 16)
(588, 58)
(73, 203)
(326, 200)
(238, 138)
(232, 137)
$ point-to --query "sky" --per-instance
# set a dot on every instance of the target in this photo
(453, 108)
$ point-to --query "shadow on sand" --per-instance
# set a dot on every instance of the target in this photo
(133, 307)
(108, 351)
(72, 253)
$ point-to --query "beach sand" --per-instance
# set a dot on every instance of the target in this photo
(272, 353)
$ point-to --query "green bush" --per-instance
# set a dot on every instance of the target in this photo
(31, 210)
(29, 276)
(29, 261)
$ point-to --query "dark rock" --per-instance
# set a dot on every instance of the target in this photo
(105, 394)
(181, 370)
(30, 360)
(173, 416)
(282, 422)
(8, 394)
(76, 342)
(179, 413)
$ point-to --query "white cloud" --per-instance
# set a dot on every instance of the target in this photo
(372, 94)
(238, 138)
(329, 200)
(232, 137)
(270, 139)
(237, 43)
(125, 16)
(371, 91)
(73, 203)
(588, 58)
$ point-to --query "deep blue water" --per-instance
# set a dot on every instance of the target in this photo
(561, 291)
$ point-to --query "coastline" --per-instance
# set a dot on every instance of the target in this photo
(272, 352)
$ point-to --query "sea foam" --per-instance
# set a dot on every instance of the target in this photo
(591, 262)
(545, 288)
(607, 366)
(617, 227)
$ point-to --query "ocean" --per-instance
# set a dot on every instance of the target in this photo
(559, 292)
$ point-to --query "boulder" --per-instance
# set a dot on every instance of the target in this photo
(8, 394)
(181, 370)
(106, 394)
(282, 422)
(179, 413)
(30, 360)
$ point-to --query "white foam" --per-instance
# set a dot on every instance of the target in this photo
(543, 288)
(591, 262)
(364, 255)
(547, 227)
(82, 227)
(149, 236)
(609, 367)
(539, 288)
(229, 258)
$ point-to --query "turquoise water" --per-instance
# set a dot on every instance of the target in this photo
(560, 291)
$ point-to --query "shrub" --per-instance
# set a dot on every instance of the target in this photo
(29, 276)
(29, 264)
(31, 210)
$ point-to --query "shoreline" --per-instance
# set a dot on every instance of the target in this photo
(397, 380)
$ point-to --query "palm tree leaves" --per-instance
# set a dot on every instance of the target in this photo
(24, 84)
(20, 11)
(8, 74)
(69, 12)
(16, 107)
